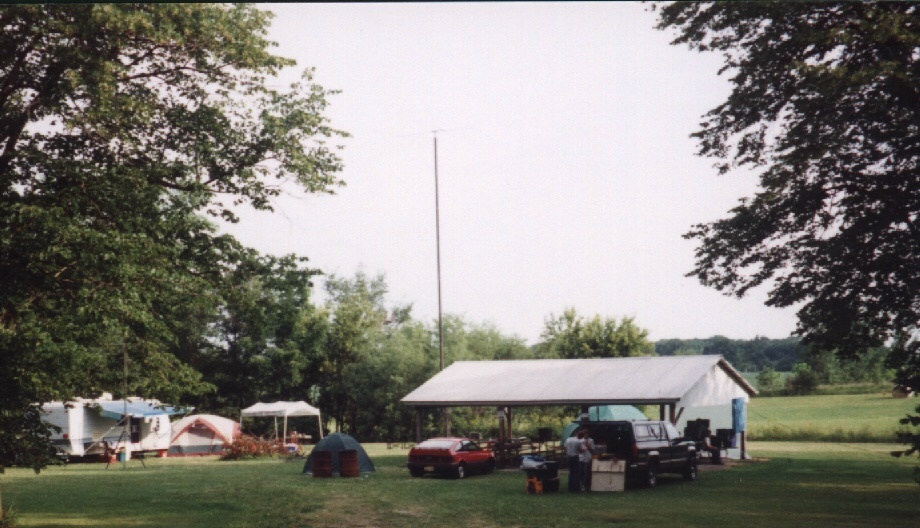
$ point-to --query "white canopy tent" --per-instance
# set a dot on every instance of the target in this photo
(283, 409)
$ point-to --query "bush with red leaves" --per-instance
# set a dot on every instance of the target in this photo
(246, 447)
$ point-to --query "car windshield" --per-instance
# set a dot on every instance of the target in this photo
(436, 444)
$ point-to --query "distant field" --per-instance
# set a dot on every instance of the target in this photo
(791, 484)
(843, 418)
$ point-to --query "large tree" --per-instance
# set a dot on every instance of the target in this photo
(825, 107)
(122, 127)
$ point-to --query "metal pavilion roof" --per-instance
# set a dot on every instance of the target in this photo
(638, 380)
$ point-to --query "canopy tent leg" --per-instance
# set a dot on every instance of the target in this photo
(319, 424)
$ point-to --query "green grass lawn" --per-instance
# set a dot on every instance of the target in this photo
(843, 418)
(794, 484)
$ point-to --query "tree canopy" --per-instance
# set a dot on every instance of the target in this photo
(825, 108)
(123, 127)
(571, 336)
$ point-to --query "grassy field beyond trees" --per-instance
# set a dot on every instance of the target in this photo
(840, 418)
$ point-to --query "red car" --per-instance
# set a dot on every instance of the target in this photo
(451, 456)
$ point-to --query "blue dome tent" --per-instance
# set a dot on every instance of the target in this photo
(335, 443)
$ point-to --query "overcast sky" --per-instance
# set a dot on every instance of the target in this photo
(567, 174)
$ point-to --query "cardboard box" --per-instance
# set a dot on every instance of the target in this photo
(608, 475)
(608, 481)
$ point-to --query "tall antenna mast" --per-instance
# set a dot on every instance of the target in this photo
(437, 222)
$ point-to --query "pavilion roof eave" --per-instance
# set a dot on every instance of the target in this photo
(537, 403)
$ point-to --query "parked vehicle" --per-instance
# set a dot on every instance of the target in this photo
(649, 447)
(450, 456)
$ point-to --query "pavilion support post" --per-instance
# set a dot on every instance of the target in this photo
(500, 414)
(661, 412)
(671, 413)
(510, 434)
(585, 415)
(418, 425)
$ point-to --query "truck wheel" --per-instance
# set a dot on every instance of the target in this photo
(651, 474)
(690, 473)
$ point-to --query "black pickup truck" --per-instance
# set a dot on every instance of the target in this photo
(648, 447)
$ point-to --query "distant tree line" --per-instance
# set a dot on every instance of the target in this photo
(746, 355)
(808, 366)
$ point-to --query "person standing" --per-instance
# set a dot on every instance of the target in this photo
(714, 446)
(585, 458)
(573, 447)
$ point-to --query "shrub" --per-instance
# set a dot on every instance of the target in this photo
(803, 380)
(769, 380)
(246, 447)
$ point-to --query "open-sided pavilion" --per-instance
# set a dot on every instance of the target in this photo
(683, 387)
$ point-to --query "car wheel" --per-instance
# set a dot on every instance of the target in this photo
(690, 473)
(461, 471)
(651, 474)
(489, 467)
(416, 472)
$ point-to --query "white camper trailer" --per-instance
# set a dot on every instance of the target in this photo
(128, 426)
